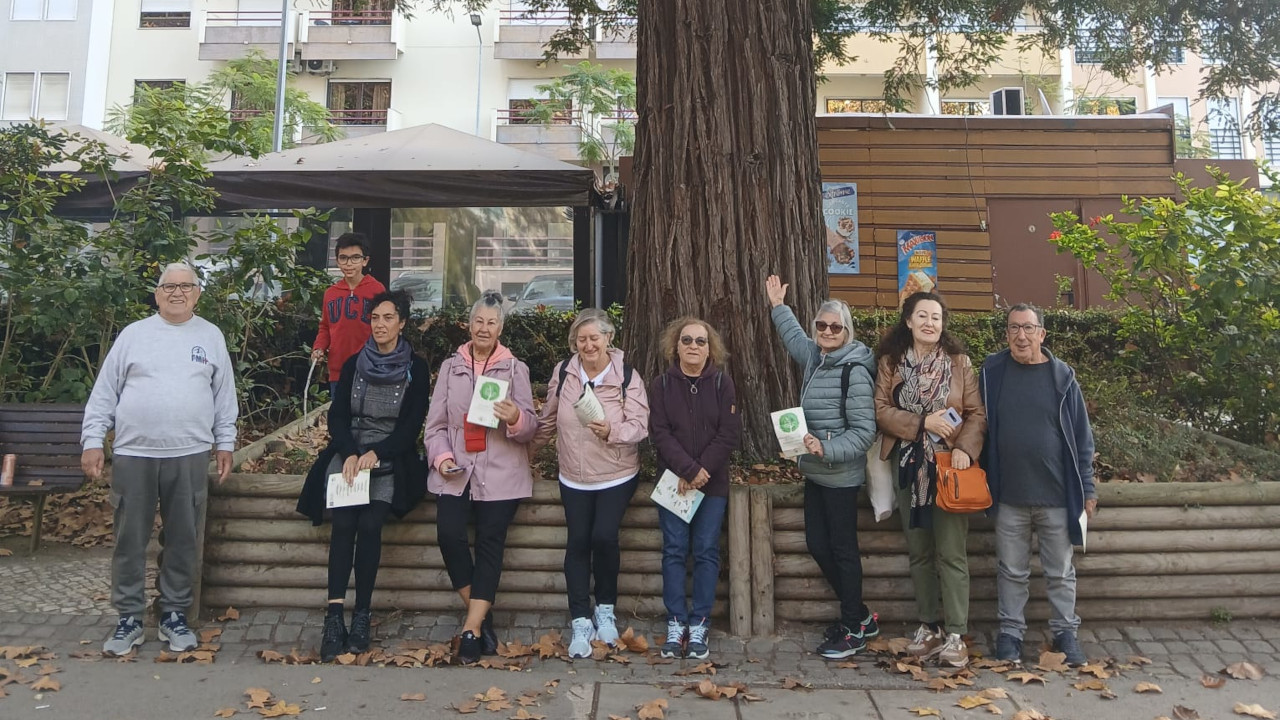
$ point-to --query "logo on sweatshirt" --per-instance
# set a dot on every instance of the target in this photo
(198, 355)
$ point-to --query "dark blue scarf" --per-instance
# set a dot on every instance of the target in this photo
(379, 369)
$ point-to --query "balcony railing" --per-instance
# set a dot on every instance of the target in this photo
(351, 118)
(511, 16)
(531, 252)
(350, 17)
(507, 116)
(242, 18)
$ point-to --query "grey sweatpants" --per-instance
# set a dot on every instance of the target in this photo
(181, 486)
(1013, 555)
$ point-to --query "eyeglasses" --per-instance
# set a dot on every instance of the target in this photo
(835, 328)
(350, 259)
(687, 340)
(1025, 329)
(171, 288)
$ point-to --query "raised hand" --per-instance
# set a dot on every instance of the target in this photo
(776, 290)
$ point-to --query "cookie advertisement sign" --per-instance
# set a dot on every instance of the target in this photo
(840, 215)
(917, 262)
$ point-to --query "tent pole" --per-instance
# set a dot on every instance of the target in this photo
(282, 75)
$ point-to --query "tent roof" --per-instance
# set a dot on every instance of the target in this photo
(421, 166)
(135, 160)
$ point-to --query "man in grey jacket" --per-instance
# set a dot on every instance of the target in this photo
(168, 390)
(1039, 460)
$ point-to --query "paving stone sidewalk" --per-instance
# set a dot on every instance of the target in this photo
(1185, 650)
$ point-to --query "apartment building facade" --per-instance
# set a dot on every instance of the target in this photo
(53, 60)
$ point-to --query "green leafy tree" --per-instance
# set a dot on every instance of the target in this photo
(726, 160)
(601, 103)
(247, 86)
(1200, 283)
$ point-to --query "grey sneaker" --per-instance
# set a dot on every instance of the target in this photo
(1066, 643)
(127, 636)
(1009, 648)
(173, 627)
(606, 625)
(583, 633)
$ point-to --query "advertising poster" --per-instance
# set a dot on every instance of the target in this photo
(840, 215)
(917, 262)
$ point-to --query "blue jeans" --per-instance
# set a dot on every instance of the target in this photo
(701, 536)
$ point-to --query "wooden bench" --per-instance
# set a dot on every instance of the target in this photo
(46, 439)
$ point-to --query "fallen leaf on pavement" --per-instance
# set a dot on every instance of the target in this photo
(1030, 714)
(1053, 662)
(5, 552)
(468, 707)
(925, 711)
(1026, 677)
(497, 705)
(1139, 660)
(790, 683)
(257, 697)
(847, 666)
(225, 712)
(1096, 670)
(280, 709)
(619, 717)
(633, 641)
(995, 693)
(1254, 710)
(210, 634)
(47, 669)
(345, 658)
(413, 697)
(993, 709)
(1181, 712)
(270, 656)
(1147, 687)
(1245, 671)
(316, 681)
(46, 684)
(230, 614)
(652, 710)
(1091, 684)
(493, 694)
(523, 714)
(1213, 682)
(514, 649)
(969, 702)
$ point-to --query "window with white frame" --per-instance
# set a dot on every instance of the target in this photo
(41, 95)
(1271, 148)
(27, 10)
(165, 14)
(1181, 115)
(1223, 118)
(966, 107)
(60, 9)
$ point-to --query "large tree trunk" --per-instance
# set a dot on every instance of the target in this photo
(727, 187)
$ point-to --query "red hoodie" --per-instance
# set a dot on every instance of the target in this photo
(344, 321)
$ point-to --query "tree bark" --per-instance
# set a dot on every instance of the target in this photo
(727, 187)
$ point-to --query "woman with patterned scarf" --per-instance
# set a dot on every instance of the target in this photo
(922, 371)
(374, 424)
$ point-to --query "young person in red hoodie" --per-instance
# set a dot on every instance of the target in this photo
(344, 316)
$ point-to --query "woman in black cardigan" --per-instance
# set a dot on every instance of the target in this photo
(374, 424)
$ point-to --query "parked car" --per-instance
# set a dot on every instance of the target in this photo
(554, 292)
(426, 290)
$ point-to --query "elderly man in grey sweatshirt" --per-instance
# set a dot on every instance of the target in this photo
(168, 390)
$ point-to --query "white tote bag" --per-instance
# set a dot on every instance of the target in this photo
(880, 481)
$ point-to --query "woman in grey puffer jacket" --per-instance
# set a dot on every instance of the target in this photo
(842, 427)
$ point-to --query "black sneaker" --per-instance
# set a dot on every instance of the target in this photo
(360, 638)
(674, 646)
(846, 644)
(870, 628)
(1009, 649)
(333, 641)
(1066, 643)
(468, 649)
(488, 638)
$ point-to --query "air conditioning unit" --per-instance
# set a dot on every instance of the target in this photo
(1008, 101)
(320, 67)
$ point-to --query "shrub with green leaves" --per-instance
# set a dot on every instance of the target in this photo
(1199, 280)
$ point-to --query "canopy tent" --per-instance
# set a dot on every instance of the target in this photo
(422, 166)
(99, 192)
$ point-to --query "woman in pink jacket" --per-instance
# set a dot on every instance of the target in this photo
(475, 469)
(599, 462)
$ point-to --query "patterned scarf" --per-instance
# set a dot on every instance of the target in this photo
(926, 382)
(379, 369)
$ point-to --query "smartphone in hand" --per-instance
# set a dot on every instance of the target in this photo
(454, 470)
(953, 419)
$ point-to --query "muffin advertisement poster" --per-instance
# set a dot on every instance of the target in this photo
(917, 262)
(840, 214)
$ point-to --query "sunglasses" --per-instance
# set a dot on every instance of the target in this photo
(687, 340)
(835, 328)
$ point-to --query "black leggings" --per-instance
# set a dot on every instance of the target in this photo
(356, 536)
(831, 532)
(594, 518)
(493, 517)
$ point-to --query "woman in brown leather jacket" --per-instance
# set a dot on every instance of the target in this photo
(922, 371)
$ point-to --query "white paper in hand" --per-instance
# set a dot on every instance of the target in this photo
(1084, 530)
(790, 427)
(667, 494)
(340, 494)
(588, 407)
(488, 391)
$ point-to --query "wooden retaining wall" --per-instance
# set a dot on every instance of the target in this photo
(1156, 552)
(260, 552)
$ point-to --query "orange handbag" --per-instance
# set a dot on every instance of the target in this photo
(961, 491)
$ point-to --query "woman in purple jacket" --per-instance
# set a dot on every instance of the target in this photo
(475, 469)
(694, 423)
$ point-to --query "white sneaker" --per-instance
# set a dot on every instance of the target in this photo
(925, 644)
(954, 652)
(606, 625)
(583, 634)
